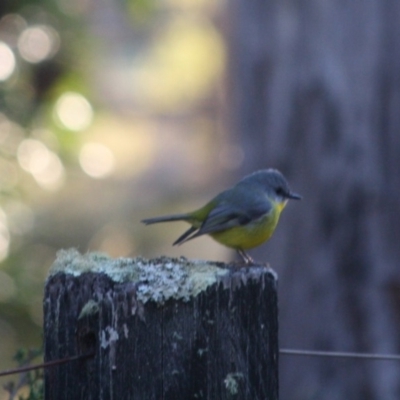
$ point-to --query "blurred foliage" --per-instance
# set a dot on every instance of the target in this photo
(30, 385)
(35, 68)
(92, 96)
(140, 10)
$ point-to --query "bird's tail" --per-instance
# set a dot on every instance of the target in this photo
(166, 218)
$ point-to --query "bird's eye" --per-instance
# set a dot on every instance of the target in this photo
(280, 191)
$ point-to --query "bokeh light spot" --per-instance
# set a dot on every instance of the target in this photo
(96, 160)
(73, 111)
(38, 43)
(45, 166)
(33, 156)
(7, 62)
(11, 26)
(52, 176)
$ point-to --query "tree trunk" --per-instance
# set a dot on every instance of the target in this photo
(315, 90)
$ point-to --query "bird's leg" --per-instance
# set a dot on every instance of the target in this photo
(246, 257)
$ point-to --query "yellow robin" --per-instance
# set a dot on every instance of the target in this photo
(241, 217)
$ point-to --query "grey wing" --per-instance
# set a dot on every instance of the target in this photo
(230, 214)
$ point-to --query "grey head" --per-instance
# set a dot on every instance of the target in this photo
(273, 182)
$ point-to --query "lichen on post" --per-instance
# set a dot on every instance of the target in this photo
(160, 329)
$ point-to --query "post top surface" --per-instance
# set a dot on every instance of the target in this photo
(158, 279)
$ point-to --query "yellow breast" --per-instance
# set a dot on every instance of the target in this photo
(253, 234)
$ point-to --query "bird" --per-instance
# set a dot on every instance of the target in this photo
(241, 217)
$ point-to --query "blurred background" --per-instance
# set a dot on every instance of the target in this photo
(112, 111)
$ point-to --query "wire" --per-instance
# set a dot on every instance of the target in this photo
(45, 365)
(284, 352)
(340, 354)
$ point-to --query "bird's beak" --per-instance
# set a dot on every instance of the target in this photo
(294, 196)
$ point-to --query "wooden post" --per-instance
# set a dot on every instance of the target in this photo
(162, 329)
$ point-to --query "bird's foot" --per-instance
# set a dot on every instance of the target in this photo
(246, 257)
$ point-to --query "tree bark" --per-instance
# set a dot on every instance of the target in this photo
(315, 91)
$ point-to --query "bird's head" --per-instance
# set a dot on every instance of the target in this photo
(274, 184)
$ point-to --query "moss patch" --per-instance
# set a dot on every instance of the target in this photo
(158, 279)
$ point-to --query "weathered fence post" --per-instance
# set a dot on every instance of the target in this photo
(161, 329)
